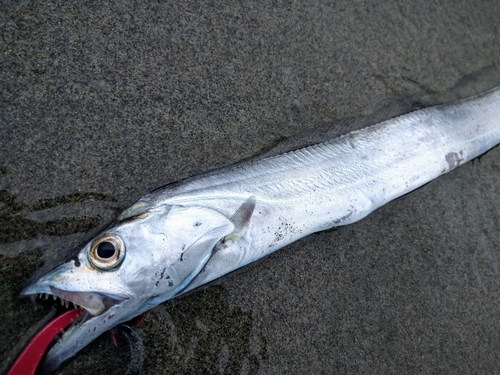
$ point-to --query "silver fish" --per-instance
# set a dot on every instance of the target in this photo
(191, 232)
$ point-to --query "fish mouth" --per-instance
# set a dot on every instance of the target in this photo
(101, 312)
(94, 303)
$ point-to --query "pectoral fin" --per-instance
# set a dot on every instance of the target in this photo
(241, 219)
(224, 257)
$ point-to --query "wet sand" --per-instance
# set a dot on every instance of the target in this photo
(104, 102)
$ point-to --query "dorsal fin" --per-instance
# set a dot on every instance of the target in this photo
(469, 85)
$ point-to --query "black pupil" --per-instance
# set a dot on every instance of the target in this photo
(106, 250)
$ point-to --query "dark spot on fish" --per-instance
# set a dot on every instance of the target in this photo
(197, 224)
(157, 283)
(170, 283)
(349, 213)
(168, 277)
(163, 273)
(183, 247)
(77, 261)
(453, 160)
(182, 257)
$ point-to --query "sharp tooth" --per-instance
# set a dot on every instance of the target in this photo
(46, 296)
(33, 298)
(54, 297)
(66, 303)
(62, 302)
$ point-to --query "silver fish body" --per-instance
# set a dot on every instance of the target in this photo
(189, 233)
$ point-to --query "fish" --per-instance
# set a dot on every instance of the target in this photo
(188, 233)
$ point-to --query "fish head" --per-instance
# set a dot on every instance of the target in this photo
(148, 256)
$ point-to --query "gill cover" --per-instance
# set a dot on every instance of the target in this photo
(191, 233)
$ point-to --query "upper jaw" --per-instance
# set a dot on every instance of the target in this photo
(94, 303)
(65, 283)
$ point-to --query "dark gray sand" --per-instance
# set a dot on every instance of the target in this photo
(104, 101)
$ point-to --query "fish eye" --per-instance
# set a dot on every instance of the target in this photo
(107, 252)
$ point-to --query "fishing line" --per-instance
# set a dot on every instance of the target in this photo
(136, 346)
